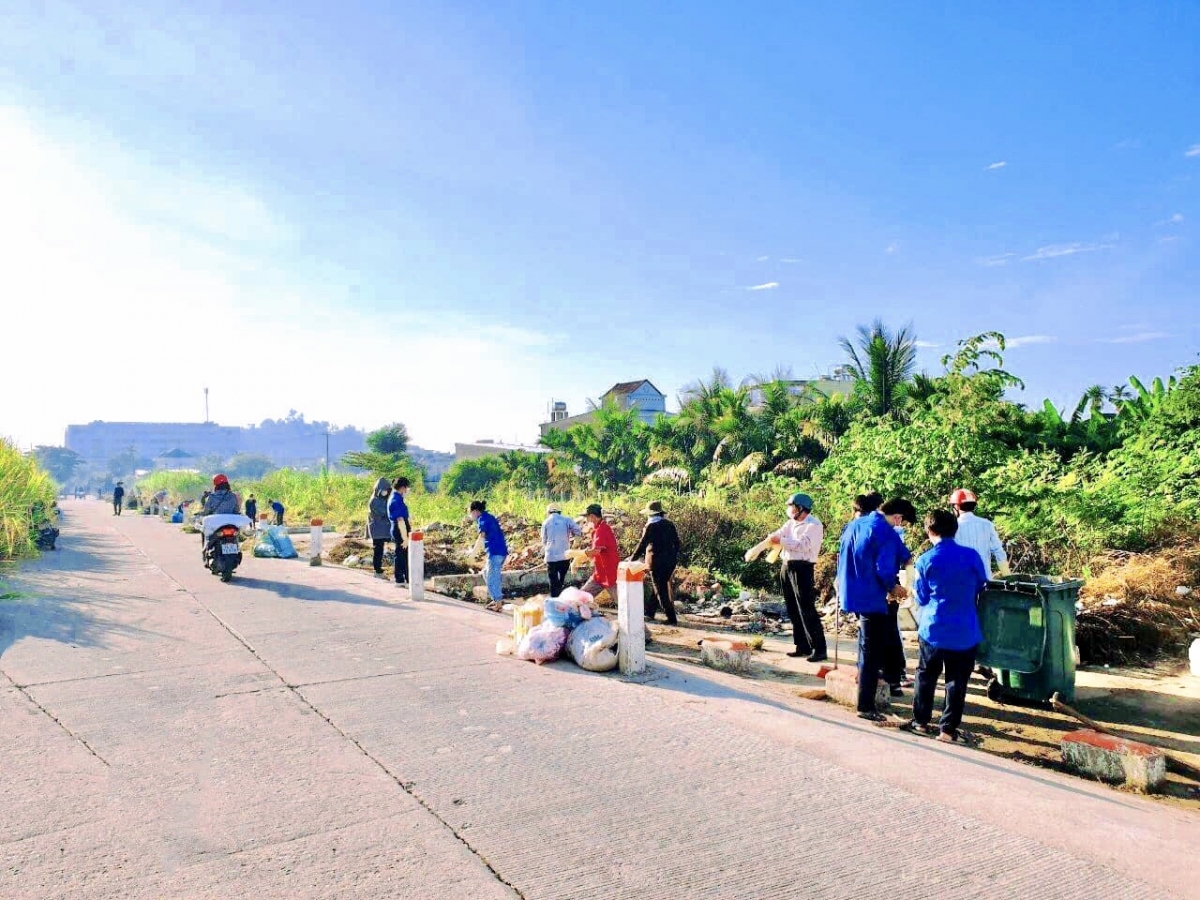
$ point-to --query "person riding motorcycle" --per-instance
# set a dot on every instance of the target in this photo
(222, 501)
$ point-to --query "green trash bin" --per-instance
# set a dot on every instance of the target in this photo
(1028, 624)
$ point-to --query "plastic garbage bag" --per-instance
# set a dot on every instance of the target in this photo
(543, 643)
(264, 548)
(593, 645)
(562, 613)
(284, 548)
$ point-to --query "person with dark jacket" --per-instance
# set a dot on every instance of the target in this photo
(660, 544)
(252, 511)
(950, 577)
(118, 498)
(401, 527)
(379, 528)
(277, 508)
(870, 558)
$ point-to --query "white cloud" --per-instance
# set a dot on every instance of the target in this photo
(1128, 144)
(1029, 340)
(891, 248)
(925, 345)
(1000, 260)
(1140, 338)
(790, 260)
(763, 258)
(1053, 251)
(997, 165)
(1168, 238)
(118, 289)
(769, 286)
(1193, 150)
(1176, 219)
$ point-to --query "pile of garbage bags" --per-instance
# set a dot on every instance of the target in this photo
(272, 542)
(569, 622)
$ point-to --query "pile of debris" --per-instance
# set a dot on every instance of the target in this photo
(1139, 605)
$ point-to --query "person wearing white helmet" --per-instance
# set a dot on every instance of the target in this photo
(978, 533)
(801, 539)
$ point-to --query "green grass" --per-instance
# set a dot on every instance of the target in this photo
(22, 484)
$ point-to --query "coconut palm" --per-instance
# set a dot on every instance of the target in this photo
(881, 362)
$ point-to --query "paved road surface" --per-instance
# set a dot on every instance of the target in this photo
(312, 733)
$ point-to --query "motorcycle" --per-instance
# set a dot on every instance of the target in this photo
(222, 543)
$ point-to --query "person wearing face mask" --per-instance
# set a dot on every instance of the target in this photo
(951, 577)
(800, 538)
(870, 558)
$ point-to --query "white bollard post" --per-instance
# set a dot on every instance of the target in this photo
(317, 527)
(416, 565)
(631, 621)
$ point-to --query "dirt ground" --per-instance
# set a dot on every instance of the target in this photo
(1159, 706)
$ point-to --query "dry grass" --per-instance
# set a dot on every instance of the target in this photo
(1131, 611)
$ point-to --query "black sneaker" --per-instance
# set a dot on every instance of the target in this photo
(817, 656)
(897, 691)
(872, 717)
(798, 652)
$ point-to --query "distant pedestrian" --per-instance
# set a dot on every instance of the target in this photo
(277, 508)
(379, 528)
(978, 533)
(252, 511)
(660, 543)
(950, 577)
(401, 527)
(801, 537)
(496, 548)
(557, 531)
(604, 554)
(118, 498)
(870, 557)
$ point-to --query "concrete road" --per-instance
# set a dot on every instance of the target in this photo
(313, 733)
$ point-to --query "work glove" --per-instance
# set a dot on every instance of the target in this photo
(1004, 569)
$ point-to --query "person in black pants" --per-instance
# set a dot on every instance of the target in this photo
(401, 528)
(118, 498)
(252, 512)
(801, 539)
(661, 546)
(950, 578)
(379, 529)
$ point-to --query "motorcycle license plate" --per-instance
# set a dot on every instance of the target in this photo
(229, 548)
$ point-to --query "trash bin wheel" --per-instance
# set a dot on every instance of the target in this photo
(995, 691)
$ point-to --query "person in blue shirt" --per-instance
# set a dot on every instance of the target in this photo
(949, 579)
(870, 557)
(401, 527)
(277, 508)
(494, 545)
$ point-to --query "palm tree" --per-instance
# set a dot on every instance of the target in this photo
(881, 362)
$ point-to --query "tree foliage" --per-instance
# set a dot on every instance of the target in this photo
(389, 439)
(60, 463)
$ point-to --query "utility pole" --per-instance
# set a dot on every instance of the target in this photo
(206, 406)
(326, 450)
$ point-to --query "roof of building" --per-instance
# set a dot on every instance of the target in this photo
(628, 387)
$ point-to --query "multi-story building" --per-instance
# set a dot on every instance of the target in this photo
(642, 396)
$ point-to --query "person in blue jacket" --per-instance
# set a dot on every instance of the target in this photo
(401, 527)
(870, 558)
(949, 578)
(492, 539)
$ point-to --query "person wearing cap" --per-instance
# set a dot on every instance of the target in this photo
(492, 539)
(801, 537)
(977, 532)
(871, 555)
(604, 554)
(557, 531)
(222, 500)
(660, 544)
(951, 577)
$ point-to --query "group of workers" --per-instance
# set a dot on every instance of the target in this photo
(946, 580)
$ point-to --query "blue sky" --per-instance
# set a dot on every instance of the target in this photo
(450, 213)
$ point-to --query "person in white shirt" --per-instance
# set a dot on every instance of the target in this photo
(801, 539)
(978, 533)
